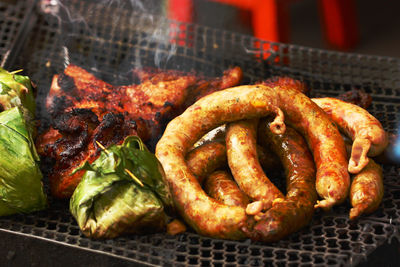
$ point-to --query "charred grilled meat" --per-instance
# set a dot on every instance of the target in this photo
(85, 110)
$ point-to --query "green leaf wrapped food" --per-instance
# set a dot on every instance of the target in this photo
(16, 91)
(21, 188)
(123, 191)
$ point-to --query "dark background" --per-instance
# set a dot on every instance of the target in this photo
(378, 21)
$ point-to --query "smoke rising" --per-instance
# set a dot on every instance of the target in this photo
(118, 27)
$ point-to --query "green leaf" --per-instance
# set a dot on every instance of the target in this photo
(108, 201)
(16, 91)
(21, 188)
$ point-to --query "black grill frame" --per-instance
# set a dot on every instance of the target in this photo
(110, 40)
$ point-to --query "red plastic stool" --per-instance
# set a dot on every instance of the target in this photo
(270, 19)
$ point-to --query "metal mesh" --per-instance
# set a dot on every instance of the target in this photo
(13, 18)
(110, 41)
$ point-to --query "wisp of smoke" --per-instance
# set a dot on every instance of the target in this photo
(77, 23)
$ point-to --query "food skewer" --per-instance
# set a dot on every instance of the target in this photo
(126, 170)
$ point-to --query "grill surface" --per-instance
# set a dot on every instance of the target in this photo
(14, 17)
(110, 40)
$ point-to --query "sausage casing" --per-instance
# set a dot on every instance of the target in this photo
(220, 186)
(296, 210)
(205, 159)
(206, 215)
(241, 147)
(366, 190)
(324, 141)
(369, 137)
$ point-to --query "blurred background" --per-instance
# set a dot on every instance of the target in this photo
(374, 24)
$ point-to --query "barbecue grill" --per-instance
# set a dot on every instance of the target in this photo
(110, 40)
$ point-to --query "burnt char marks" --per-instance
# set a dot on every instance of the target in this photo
(59, 105)
(66, 83)
(142, 109)
(76, 127)
(77, 131)
(168, 104)
(75, 120)
(113, 129)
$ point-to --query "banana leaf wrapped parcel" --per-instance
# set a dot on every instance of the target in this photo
(17, 91)
(21, 189)
(123, 191)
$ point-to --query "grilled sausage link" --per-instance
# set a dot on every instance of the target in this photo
(366, 190)
(206, 215)
(323, 139)
(369, 137)
(220, 186)
(241, 149)
(295, 211)
(205, 159)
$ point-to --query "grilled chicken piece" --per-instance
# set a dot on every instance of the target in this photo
(73, 139)
(86, 109)
(157, 99)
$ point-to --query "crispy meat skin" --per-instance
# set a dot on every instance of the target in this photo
(73, 140)
(86, 109)
(160, 96)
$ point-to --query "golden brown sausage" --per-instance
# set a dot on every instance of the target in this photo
(206, 215)
(366, 190)
(220, 186)
(324, 141)
(369, 137)
(290, 214)
(205, 159)
(268, 161)
(241, 149)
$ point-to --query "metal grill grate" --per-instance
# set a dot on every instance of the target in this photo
(109, 41)
(14, 16)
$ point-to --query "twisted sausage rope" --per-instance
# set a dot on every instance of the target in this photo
(207, 216)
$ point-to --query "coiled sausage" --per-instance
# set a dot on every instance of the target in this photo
(206, 215)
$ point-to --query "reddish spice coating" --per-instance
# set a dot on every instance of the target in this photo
(290, 214)
(206, 215)
(222, 187)
(205, 159)
(369, 137)
(366, 190)
(243, 161)
(324, 141)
